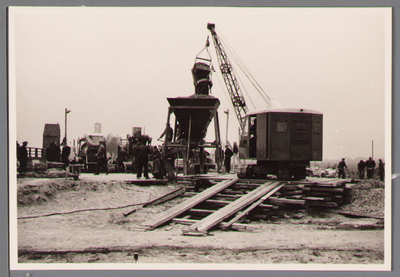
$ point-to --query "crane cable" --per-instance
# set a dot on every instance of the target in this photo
(205, 48)
(239, 80)
(252, 80)
(245, 70)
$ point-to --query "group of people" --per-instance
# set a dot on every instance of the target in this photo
(368, 166)
(55, 154)
(142, 153)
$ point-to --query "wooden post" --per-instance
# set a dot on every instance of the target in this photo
(186, 157)
(217, 140)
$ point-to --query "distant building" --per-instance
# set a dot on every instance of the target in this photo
(51, 133)
(97, 128)
(136, 132)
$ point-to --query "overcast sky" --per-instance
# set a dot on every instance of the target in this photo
(117, 66)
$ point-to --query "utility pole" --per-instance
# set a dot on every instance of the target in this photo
(227, 123)
(372, 149)
(66, 112)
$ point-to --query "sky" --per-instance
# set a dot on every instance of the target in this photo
(117, 66)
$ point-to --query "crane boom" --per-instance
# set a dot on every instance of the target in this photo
(230, 79)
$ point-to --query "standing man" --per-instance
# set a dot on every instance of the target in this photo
(66, 151)
(227, 161)
(23, 158)
(101, 157)
(370, 164)
(56, 152)
(381, 167)
(168, 133)
(121, 158)
(341, 166)
(361, 169)
(157, 170)
(50, 155)
(142, 159)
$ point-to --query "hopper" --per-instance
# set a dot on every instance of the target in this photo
(195, 113)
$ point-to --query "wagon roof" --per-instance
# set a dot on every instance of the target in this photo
(284, 110)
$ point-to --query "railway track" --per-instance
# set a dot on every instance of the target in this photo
(224, 203)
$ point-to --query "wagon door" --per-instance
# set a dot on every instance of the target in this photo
(300, 137)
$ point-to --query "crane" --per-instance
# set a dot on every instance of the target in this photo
(231, 82)
(281, 140)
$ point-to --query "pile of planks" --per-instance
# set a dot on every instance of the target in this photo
(324, 193)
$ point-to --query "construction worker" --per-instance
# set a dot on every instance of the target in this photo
(121, 158)
(381, 167)
(66, 151)
(168, 133)
(361, 169)
(50, 155)
(101, 157)
(23, 158)
(227, 160)
(56, 152)
(142, 153)
(341, 166)
(158, 168)
(370, 164)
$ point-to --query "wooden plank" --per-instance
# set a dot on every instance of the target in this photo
(323, 189)
(184, 221)
(228, 195)
(218, 202)
(201, 211)
(215, 218)
(285, 201)
(187, 204)
(252, 206)
(323, 204)
(291, 192)
(235, 226)
(165, 197)
(361, 215)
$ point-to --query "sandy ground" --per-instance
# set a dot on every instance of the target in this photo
(88, 225)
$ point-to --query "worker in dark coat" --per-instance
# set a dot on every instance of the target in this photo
(370, 164)
(23, 158)
(158, 168)
(50, 152)
(381, 167)
(142, 153)
(56, 152)
(235, 148)
(101, 157)
(66, 151)
(341, 166)
(361, 169)
(227, 160)
(122, 157)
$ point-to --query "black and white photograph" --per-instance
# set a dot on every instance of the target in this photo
(204, 138)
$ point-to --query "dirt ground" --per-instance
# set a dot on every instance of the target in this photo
(66, 221)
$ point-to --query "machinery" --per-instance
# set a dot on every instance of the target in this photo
(87, 150)
(282, 141)
(126, 158)
(193, 114)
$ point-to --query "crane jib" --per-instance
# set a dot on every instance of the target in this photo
(229, 77)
